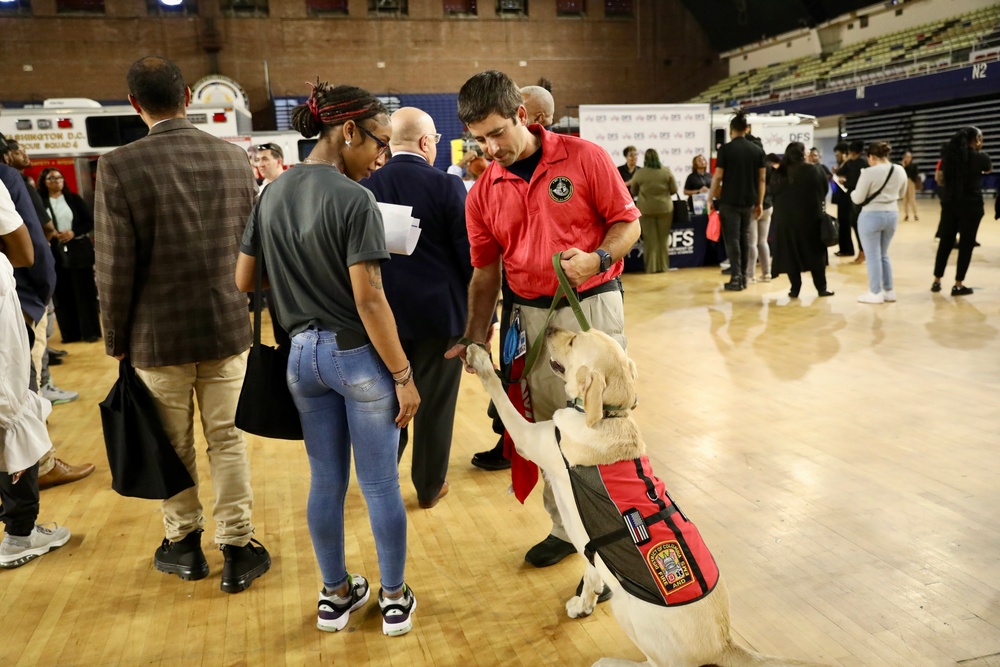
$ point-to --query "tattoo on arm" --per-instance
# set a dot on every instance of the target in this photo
(374, 273)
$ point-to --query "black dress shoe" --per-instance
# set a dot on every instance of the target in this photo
(825, 293)
(492, 459)
(243, 565)
(54, 361)
(935, 286)
(184, 558)
(603, 596)
(961, 291)
(793, 294)
(735, 284)
(549, 551)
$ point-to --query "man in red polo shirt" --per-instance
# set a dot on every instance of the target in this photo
(543, 193)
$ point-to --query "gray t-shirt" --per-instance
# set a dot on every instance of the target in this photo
(315, 223)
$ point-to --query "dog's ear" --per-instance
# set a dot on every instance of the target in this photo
(591, 384)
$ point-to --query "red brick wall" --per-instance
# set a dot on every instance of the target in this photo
(662, 55)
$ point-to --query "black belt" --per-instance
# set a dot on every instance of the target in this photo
(347, 339)
(613, 285)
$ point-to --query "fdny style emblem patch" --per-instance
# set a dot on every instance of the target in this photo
(669, 566)
(560, 189)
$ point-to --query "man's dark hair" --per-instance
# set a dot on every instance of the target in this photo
(739, 121)
(842, 147)
(857, 146)
(4, 145)
(487, 93)
(157, 85)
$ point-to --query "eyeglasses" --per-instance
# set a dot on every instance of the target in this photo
(54, 178)
(266, 147)
(382, 146)
(436, 137)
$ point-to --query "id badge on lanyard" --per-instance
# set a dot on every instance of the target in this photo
(515, 344)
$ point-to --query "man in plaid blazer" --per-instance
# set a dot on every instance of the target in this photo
(170, 211)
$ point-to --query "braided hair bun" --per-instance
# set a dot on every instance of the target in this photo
(329, 106)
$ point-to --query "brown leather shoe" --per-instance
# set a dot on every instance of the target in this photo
(441, 494)
(64, 473)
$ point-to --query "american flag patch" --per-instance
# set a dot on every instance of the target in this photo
(636, 526)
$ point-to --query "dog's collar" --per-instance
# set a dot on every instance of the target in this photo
(610, 411)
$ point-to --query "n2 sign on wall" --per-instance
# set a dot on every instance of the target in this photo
(678, 132)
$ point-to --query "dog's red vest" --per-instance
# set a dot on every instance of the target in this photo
(658, 556)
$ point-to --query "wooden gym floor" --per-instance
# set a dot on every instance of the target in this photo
(842, 461)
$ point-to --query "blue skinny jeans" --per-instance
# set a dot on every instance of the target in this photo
(345, 397)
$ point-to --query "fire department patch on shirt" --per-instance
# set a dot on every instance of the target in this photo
(560, 189)
(669, 566)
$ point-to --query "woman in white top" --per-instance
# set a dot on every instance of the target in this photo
(881, 185)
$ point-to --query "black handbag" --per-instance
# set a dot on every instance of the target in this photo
(143, 463)
(681, 217)
(266, 407)
(829, 228)
(78, 253)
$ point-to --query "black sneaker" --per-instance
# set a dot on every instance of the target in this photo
(603, 596)
(549, 551)
(184, 558)
(243, 565)
(961, 291)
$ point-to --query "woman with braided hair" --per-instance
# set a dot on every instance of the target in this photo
(323, 241)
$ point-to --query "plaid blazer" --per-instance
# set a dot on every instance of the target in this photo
(169, 214)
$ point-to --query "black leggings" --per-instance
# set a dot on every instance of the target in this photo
(818, 276)
(958, 218)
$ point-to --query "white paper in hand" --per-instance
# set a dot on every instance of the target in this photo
(402, 230)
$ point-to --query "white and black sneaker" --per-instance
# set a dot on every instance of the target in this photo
(397, 613)
(334, 610)
(16, 551)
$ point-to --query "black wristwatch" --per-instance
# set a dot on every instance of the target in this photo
(606, 260)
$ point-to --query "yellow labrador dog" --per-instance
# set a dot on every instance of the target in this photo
(668, 595)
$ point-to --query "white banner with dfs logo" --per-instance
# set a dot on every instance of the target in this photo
(678, 132)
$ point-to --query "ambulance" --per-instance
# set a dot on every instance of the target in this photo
(72, 133)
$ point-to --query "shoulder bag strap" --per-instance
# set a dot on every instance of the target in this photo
(871, 198)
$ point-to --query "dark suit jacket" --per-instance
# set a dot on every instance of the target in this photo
(169, 214)
(428, 290)
(35, 283)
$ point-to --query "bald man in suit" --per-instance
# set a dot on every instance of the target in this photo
(428, 290)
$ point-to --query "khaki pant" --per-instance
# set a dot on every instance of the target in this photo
(217, 385)
(40, 329)
(606, 313)
(910, 201)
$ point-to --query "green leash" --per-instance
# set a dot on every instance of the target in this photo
(564, 290)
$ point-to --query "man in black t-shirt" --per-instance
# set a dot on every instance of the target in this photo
(738, 184)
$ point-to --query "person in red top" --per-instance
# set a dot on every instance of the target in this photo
(543, 193)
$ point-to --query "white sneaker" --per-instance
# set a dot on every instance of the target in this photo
(889, 295)
(397, 614)
(334, 611)
(765, 277)
(56, 395)
(16, 551)
(868, 297)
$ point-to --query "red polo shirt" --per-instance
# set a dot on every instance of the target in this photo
(574, 196)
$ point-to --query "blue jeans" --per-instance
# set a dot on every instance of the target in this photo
(345, 397)
(876, 229)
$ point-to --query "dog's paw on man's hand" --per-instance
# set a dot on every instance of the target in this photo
(576, 607)
(479, 359)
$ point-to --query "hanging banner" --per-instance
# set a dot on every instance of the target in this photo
(678, 132)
